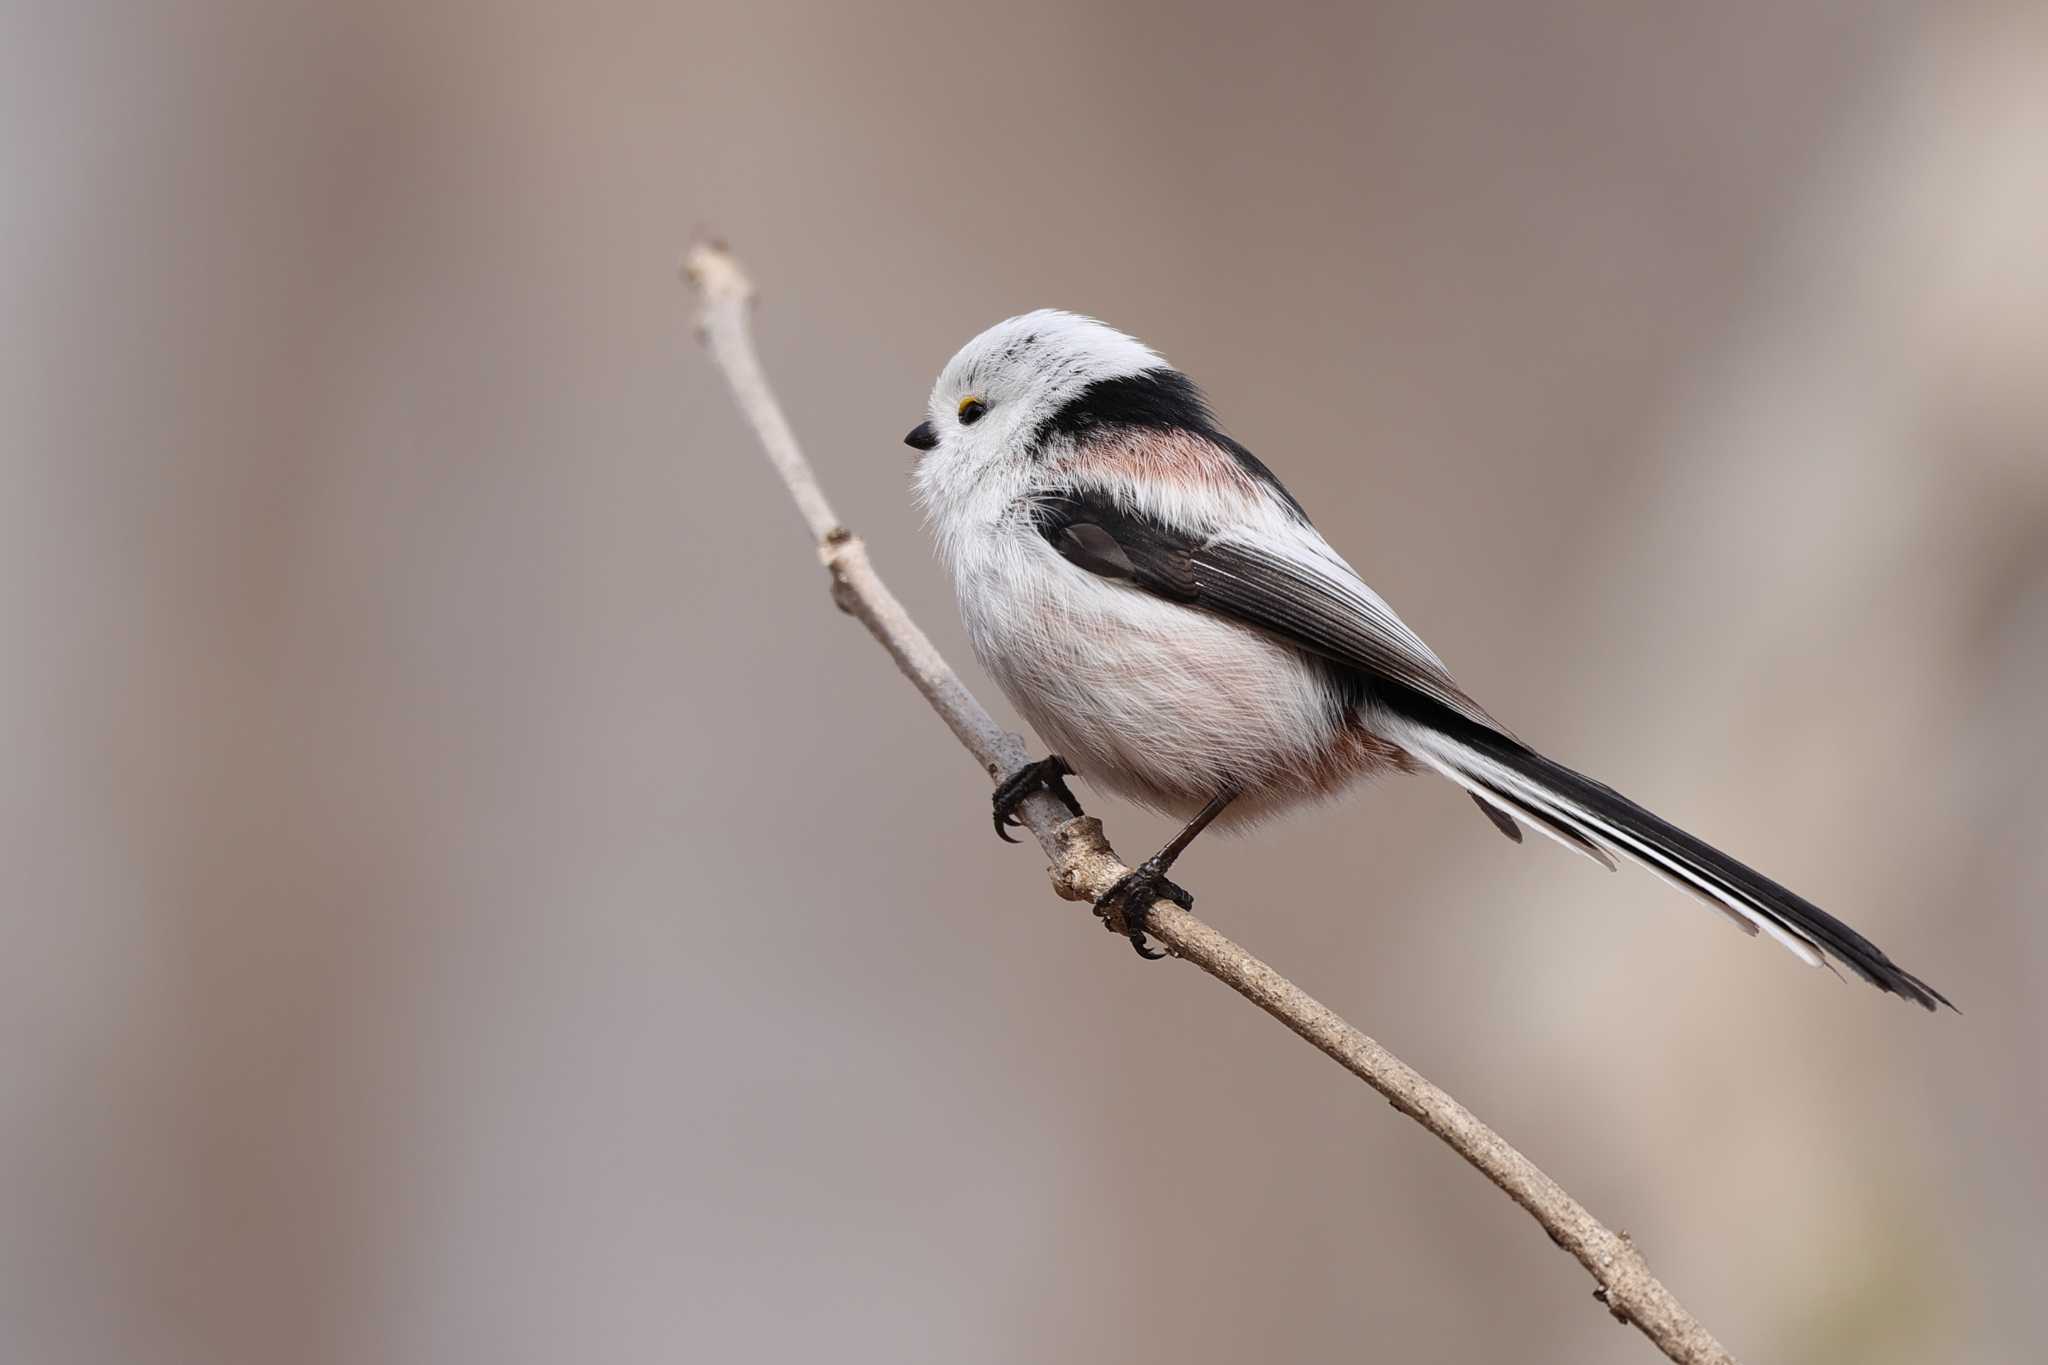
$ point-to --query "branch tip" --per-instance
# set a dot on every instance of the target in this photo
(711, 268)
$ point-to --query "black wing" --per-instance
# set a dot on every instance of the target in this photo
(1305, 596)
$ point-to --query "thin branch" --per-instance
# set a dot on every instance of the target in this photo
(1084, 865)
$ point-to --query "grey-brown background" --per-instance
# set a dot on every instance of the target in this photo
(469, 898)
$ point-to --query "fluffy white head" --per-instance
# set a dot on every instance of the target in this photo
(1004, 386)
(1024, 369)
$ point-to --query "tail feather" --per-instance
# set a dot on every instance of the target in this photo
(1500, 796)
(1591, 818)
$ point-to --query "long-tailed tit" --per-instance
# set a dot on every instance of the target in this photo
(1161, 610)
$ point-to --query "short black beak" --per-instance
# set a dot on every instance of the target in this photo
(923, 436)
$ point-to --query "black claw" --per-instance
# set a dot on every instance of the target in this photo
(1126, 906)
(1048, 774)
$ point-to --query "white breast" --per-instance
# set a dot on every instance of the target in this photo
(1163, 704)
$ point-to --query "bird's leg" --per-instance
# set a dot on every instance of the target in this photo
(1049, 774)
(1128, 904)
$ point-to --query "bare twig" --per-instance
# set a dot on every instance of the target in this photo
(1084, 865)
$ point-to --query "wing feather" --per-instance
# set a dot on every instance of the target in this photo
(1292, 586)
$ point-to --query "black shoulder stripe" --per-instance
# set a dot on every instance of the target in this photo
(1159, 400)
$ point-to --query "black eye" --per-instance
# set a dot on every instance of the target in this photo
(971, 411)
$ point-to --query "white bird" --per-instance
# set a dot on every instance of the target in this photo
(1159, 608)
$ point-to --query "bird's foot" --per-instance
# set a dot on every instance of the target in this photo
(1126, 906)
(1048, 774)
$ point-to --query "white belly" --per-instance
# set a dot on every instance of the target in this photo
(1163, 704)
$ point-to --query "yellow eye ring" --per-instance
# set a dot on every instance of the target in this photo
(971, 410)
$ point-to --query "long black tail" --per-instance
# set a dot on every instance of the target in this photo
(1592, 818)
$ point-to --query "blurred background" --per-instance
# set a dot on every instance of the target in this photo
(470, 898)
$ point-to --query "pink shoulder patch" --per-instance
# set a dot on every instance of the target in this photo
(1178, 460)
